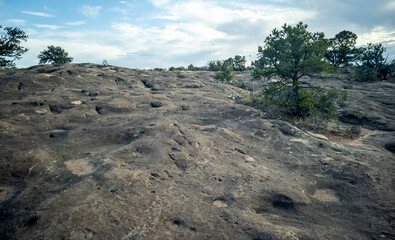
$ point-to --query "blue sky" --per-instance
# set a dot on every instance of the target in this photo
(164, 33)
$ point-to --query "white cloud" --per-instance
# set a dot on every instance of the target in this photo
(389, 7)
(90, 11)
(39, 14)
(213, 14)
(48, 26)
(76, 23)
(377, 35)
(19, 22)
(159, 3)
(48, 9)
(209, 30)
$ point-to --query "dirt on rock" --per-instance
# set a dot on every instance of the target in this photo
(101, 152)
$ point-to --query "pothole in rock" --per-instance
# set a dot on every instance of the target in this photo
(390, 147)
(283, 202)
(325, 195)
(79, 166)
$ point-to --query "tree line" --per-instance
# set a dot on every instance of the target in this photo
(369, 62)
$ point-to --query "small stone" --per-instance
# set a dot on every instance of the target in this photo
(76, 102)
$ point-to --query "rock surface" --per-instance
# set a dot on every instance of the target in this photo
(95, 152)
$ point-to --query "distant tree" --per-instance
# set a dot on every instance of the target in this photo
(342, 50)
(224, 69)
(10, 46)
(54, 55)
(172, 69)
(290, 54)
(239, 63)
(191, 67)
(220, 65)
(214, 65)
(105, 63)
(227, 63)
(372, 64)
(225, 75)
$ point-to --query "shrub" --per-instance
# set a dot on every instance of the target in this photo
(318, 104)
(226, 75)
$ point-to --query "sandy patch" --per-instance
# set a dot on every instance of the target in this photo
(79, 166)
(220, 204)
(326, 195)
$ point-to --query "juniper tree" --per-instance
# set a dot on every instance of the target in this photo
(342, 49)
(291, 53)
(10, 46)
(54, 55)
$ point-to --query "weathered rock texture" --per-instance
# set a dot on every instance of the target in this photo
(94, 152)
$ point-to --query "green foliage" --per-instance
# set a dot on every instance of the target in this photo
(225, 75)
(10, 46)
(54, 55)
(290, 54)
(342, 49)
(253, 100)
(373, 66)
(191, 67)
(220, 65)
(214, 65)
(224, 69)
(179, 68)
(105, 63)
(343, 98)
(239, 63)
(316, 103)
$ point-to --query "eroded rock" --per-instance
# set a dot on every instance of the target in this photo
(85, 155)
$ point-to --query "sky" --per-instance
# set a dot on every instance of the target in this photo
(165, 33)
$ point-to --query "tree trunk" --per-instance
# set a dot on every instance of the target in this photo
(296, 91)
